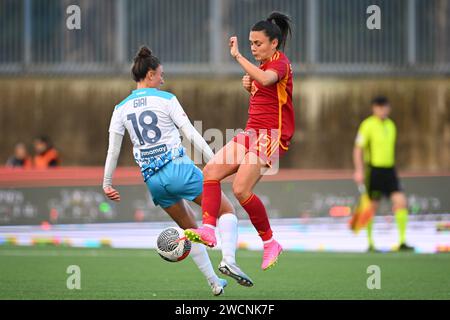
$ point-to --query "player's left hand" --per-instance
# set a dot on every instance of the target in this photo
(247, 82)
(112, 193)
(234, 48)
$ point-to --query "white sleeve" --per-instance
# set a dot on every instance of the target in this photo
(199, 143)
(116, 124)
(115, 143)
(177, 113)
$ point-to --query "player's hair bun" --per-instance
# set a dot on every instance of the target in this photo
(143, 62)
(144, 52)
(276, 26)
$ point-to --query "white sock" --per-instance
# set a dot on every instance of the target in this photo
(201, 259)
(228, 230)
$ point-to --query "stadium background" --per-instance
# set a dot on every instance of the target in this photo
(64, 83)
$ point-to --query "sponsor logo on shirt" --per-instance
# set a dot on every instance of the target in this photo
(152, 152)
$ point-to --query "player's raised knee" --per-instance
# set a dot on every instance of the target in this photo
(211, 172)
(241, 192)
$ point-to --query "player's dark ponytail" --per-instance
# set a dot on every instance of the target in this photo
(277, 26)
(143, 62)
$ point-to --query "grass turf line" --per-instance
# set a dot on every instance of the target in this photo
(106, 273)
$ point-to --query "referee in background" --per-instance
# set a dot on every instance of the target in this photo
(374, 161)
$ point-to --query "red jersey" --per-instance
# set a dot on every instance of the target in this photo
(271, 107)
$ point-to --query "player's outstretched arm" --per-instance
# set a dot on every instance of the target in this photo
(197, 140)
(115, 143)
(181, 120)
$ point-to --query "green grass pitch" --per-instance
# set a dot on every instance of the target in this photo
(106, 273)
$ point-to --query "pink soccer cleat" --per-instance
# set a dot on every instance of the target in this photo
(204, 235)
(272, 251)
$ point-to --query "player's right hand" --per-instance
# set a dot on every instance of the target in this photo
(247, 82)
(358, 177)
(234, 48)
(112, 193)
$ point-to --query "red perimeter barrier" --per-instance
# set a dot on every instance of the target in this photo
(92, 176)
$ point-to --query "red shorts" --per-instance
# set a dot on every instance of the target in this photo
(264, 143)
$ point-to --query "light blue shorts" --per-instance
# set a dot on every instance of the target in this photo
(179, 179)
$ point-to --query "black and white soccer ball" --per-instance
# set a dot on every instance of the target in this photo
(172, 245)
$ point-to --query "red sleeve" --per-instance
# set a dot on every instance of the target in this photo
(279, 67)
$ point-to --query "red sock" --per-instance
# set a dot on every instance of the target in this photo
(212, 195)
(258, 216)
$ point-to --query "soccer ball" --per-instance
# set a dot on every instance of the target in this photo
(172, 245)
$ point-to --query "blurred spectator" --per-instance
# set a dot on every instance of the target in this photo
(45, 154)
(20, 157)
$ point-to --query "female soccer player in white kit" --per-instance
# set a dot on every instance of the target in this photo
(152, 118)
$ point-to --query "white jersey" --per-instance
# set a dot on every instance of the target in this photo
(152, 118)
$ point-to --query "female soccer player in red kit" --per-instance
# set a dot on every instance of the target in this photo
(269, 129)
